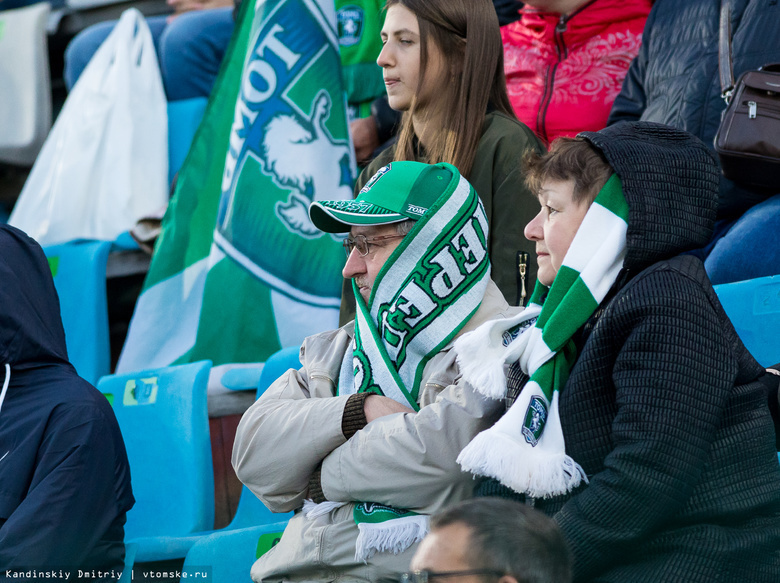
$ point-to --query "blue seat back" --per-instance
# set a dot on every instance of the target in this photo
(276, 365)
(229, 554)
(163, 416)
(79, 270)
(184, 117)
(251, 511)
(753, 307)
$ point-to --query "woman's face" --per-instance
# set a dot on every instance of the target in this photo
(553, 229)
(400, 57)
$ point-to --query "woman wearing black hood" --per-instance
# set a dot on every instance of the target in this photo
(64, 476)
(636, 416)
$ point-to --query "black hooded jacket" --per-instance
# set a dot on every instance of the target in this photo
(663, 409)
(64, 476)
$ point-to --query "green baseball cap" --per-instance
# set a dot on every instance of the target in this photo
(398, 191)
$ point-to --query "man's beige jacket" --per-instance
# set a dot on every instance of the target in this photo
(402, 460)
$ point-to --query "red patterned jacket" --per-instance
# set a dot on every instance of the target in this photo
(564, 72)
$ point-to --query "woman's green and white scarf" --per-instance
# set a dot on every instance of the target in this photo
(425, 293)
(525, 449)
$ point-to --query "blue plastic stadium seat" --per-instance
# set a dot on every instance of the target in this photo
(164, 421)
(168, 445)
(251, 511)
(79, 270)
(228, 555)
(753, 306)
(230, 552)
(277, 364)
(260, 377)
(184, 117)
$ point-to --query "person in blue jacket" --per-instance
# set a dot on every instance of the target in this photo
(674, 81)
(64, 476)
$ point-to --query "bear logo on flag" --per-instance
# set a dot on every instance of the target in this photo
(302, 155)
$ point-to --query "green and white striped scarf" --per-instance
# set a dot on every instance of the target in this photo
(425, 293)
(525, 449)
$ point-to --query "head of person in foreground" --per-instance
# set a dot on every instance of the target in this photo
(491, 540)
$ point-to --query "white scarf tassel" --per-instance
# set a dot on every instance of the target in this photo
(481, 354)
(394, 536)
(541, 471)
(312, 510)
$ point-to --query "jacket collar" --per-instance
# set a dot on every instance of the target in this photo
(587, 21)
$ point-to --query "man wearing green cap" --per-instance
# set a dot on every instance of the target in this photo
(361, 441)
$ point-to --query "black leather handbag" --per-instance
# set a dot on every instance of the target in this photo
(748, 139)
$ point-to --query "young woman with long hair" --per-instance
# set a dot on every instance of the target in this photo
(443, 67)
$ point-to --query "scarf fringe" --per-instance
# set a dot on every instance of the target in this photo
(393, 536)
(482, 353)
(480, 367)
(537, 473)
(525, 450)
(312, 510)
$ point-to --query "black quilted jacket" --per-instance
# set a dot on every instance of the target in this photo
(662, 408)
(674, 78)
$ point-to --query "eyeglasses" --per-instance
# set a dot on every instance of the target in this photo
(363, 243)
(425, 576)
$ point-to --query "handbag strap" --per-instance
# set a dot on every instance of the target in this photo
(724, 51)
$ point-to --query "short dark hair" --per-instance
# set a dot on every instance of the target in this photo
(511, 537)
(569, 159)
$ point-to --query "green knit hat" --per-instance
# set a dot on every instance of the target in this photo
(398, 191)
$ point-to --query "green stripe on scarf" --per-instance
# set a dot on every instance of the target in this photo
(525, 449)
(611, 197)
(378, 513)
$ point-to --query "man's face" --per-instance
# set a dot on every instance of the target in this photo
(364, 269)
(445, 549)
(553, 229)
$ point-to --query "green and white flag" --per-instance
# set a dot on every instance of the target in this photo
(525, 449)
(239, 270)
(359, 24)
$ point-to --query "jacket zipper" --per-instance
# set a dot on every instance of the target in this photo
(549, 81)
(522, 269)
(562, 50)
